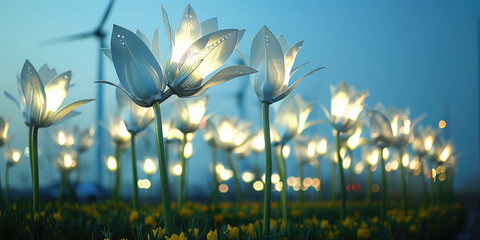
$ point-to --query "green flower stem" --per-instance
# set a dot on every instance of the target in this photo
(383, 209)
(167, 217)
(33, 152)
(63, 183)
(404, 183)
(319, 175)
(133, 157)
(6, 184)
(351, 175)
(301, 193)
(280, 163)
(215, 178)
(77, 170)
(118, 173)
(368, 197)
(424, 182)
(183, 159)
(343, 206)
(333, 188)
(268, 169)
(238, 191)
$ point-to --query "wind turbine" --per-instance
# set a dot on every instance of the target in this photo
(100, 35)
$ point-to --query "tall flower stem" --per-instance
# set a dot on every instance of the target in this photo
(424, 181)
(404, 183)
(268, 169)
(351, 175)
(183, 159)
(238, 191)
(167, 217)
(33, 152)
(281, 168)
(133, 157)
(301, 193)
(215, 179)
(6, 184)
(333, 188)
(319, 175)
(343, 206)
(383, 209)
(63, 184)
(368, 197)
(118, 173)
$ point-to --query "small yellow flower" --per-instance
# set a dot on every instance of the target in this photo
(150, 221)
(57, 216)
(160, 231)
(218, 218)
(195, 232)
(42, 214)
(36, 217)
(133, 216)
(233, 231)
(413, 229)
(212, 235)
(324, 224)
(185, 212)
(249, 229)
(177, 237)
(14, 207)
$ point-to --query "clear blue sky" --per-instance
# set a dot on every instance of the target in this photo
(417, 54)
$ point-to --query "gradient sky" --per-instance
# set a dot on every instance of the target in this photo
(417, 54)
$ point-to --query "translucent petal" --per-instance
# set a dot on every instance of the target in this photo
(290, 89)
(46, 73)
(267, 57)
(290, 56)
(123, 101)
(205, 56)
(188, 31)
(143, 38)
(156, 47)
(242, 56)
(66, 110)
(297, 68)
(136, 67)
(32, 89)
(169, 31)
(283, 42)
(139, 102)
(56, 90)
(107, 53)
(12, 98)
(209, 26)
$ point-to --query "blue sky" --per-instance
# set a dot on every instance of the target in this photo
(416, 54)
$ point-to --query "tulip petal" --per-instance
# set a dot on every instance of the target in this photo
(266, 56)
(290, 56)
(107, 53)
(136, 67)
(61, 113)
(123, 100)
(205, 56)
(46, 73)
(283, 42)
(57, 89)
(34, 93)
(189, 30)
(297, 68)
(134, 99)
(224, 75)
(169, 31)
(209, 26)
(12, 98)
(156, 47)
(244, 59)
(143, 38)
(290, 89)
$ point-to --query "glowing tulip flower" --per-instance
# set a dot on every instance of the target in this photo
(274, 60)
(424, 140)
(230, 132)
(346, 106)
(291, 118)
(149, 167)
(305, 153)
(64, 138)
(188, 113)
(12, 158)
(83, 138)
(66, 162)
(41, 95)
(136, 118)
(4, 124)
(118, 131)
(442, 150)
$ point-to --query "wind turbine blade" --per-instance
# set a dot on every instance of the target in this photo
(67, 38)
(106, 14)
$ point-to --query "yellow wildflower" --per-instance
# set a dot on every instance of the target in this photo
(177, 237)
(185, 212)
(233, 231)
(218, 218)
(150, 221)
(324, 224)
(413, 229)
(160, 231)
(42, 213)
(195, 232)
(250, 230)
(57, 216)
(363, 232)
(133, 216)
(36, 217)
(212, 235)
